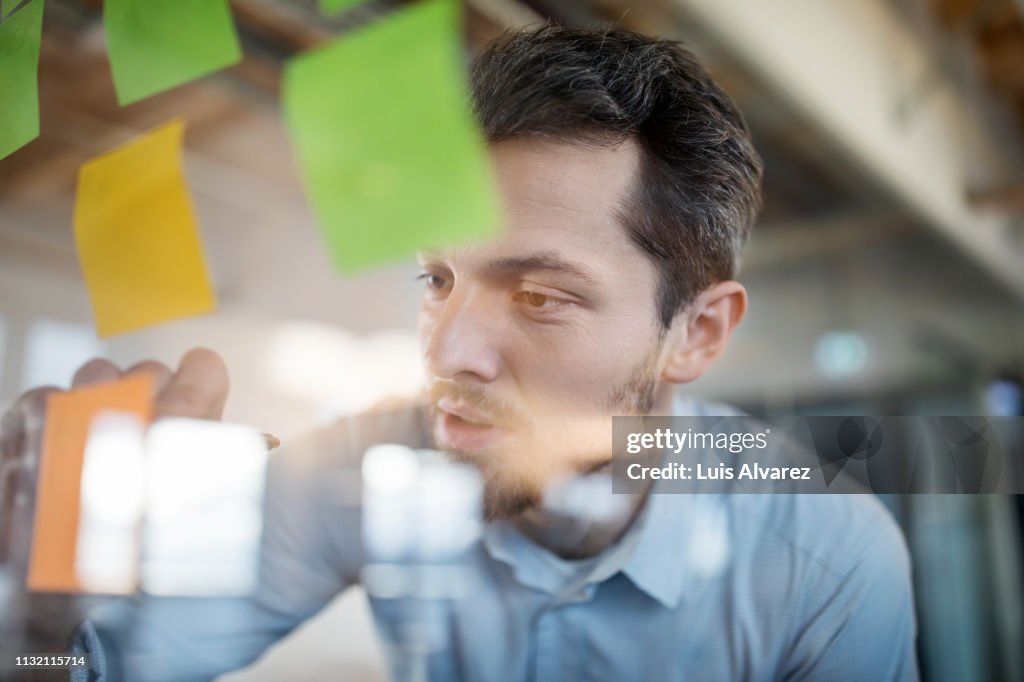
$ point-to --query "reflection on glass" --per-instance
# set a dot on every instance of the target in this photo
(54, 349)
(204, 488)
(113, 479)
(421, 513)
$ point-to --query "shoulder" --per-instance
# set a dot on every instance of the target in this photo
(341, 444)
(838, 532)
(834, 572)
(841, 533)
(839, 584)
(311, 504)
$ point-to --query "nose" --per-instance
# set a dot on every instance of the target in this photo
(462, 338)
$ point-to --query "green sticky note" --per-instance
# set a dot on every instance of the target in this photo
(332, 6)
(156, 45)
(20, 34)
(388, 146)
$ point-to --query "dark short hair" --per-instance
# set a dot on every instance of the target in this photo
(699, 188)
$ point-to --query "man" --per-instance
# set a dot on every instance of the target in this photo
(629, 185)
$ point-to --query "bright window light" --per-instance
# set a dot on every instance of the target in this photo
(54, 349)
(1004, 398)
(840, 354)
(204, 485)
(111, 504)
(340, 372)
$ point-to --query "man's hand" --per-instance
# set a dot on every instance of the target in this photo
(198, 389)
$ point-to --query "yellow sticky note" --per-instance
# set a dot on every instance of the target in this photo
(69, 417)
(137, 238)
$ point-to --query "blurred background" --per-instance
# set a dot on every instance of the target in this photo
(886, 274)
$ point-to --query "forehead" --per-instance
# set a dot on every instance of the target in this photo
(565, 200)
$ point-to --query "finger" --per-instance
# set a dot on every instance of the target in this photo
(21, 430)
(95, 371)
(22, 425)
(198, 389)
(157, 371)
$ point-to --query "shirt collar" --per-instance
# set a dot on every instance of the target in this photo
(505, 543)
(654, 554)
(658, 564)
(673, 528)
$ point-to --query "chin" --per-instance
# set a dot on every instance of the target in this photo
(504, 495)
(502, 501)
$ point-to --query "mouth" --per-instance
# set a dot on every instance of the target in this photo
(461, 428)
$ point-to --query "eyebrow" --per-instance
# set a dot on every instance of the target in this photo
(545, 261)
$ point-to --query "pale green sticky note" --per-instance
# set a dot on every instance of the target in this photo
(20, 34)
(332, 6)
(382, 129)
(156, 45)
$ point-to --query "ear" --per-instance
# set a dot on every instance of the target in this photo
(700, 333)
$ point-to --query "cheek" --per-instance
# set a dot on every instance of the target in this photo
(425, 322)
(581, 366)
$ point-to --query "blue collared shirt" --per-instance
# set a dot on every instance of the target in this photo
(701, 587)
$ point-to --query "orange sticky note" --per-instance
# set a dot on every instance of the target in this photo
(69, 417)
(137, 238)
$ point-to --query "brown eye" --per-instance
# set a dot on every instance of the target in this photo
(433, 282)
(538, 300)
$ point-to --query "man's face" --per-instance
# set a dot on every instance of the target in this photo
(534, 340)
